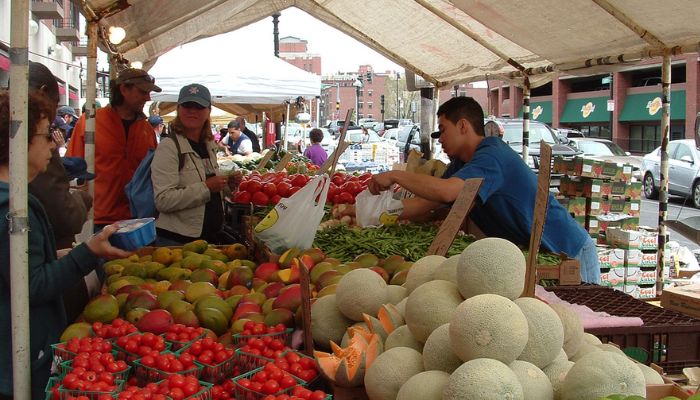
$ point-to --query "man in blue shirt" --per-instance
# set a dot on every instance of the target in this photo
(506, 201)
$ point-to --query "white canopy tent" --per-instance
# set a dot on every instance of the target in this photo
(242, 88)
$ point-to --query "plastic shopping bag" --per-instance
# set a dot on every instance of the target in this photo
(382, 209)
(293, 221)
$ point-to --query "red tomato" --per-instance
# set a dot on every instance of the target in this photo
(176, 381)
(254, 186)
(283, 188)
(287, 381)
(299, 180)
(242, 197)
(243, 185)
(271, 387)
(293, 190)
(345, 198)
(317, 395)
(260, 199)
(338, 179)
(270, 189)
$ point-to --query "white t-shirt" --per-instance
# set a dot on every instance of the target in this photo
(245, 147)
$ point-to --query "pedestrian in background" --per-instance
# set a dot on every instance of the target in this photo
(315, 152)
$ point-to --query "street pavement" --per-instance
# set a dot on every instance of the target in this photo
(678, 209)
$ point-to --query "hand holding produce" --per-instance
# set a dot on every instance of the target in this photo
(216, 183)
(100, 246)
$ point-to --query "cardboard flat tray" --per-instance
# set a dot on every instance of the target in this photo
(688, 227)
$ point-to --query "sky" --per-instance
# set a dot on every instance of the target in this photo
(338, 51)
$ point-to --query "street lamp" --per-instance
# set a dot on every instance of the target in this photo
(398, 105)
(358, 86)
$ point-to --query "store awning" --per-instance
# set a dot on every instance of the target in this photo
(647, 106)
(591, 109)
(540, 111)
(72, 95)
(4, 63)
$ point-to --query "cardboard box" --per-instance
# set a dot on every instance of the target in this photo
(592, 225)
(603, 257)
(625, 173)
(611, 170)
(587, 167)
(577, 206)
(633, 191)
(632, 275)
(647, 291)
(632, 290)
(624, 239)
(632, 208)
(649, 240)
(648, 260)
(585, 187)
(612, 277)
(605, 225)
(617, 205)
(685, 299)
(618, 188)
(568, 272)
(633, 258)
(658, 392)
(597, 206)
(630, 224)
(647, 275)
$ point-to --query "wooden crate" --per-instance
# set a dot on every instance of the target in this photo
(567, 272)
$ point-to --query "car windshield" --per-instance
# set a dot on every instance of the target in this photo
(600, 148)
(403, 133)
(514, 134)
(356, 137)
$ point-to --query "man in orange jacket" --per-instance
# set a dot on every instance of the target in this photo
(122, 139)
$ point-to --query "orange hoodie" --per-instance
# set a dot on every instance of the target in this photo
(116, 159)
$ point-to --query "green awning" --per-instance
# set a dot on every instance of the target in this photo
(540, 111)
(647, 106)
(593, 109)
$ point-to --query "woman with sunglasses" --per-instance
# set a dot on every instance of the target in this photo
(186, 186)
(49, 276)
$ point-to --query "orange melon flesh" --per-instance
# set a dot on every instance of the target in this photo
(389, 317)
(346, 366)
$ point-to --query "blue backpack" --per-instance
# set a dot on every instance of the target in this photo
(139, 190)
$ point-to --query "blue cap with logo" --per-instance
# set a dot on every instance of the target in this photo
(195, 93)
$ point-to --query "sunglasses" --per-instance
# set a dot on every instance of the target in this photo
(147, 78)
(192, 105)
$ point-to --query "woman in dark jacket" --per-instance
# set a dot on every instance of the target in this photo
(49, 276)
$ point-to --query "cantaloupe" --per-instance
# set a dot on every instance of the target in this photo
(601, 373)
(545, 332)
(360, 291)
(395, 293)
(583, 350)
(573, 330)
(536, 385)
(346, 336)
(401, 306)
(611, 348)
(483, 379)
(390, 371)
(437, 352)
(447, 271)
(591, 339)
(491, 266)
(402, 337)
(346, 366)
(422, 271)
(327, 323)
(488, 326)
(427, 385)
(556, 372)
(651, 377)
(561, 357)
(429, 306)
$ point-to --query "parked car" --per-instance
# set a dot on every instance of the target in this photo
(603, 149)
(335, 126)
(511, 131)
(367, 122)
(355, 136)
(408, 138)
(391, 134)
(563, 134)
(683, 171)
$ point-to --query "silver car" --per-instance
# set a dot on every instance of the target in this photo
(683, 171)
(606, 150)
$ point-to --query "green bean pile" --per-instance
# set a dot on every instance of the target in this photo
(408, 240)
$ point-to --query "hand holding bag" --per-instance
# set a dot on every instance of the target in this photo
(382, 209)
(293, 221)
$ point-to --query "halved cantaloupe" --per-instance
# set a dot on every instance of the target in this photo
(346, 366)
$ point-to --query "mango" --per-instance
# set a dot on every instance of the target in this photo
(280, 316)
(103, 308)
(399, 278)
(240, 275)
(236, 251)
(391, 263)
(163, 255)
(286, 258)
(258, 284)
(135, 269)
(216, 302)
(76, 330)
(173, 273)
(114, 267)
(289, 298)
(217, 266)
(267, 306)
(330, 289)
(290, 275)
(199, 289)
(237, 326)
(332, 261)
(152, 268)
(216, 254)
(367, 260)
(213, 319)
(267, 272)
(314, 254)
(179, 306)
(244, 308)
(180, 285)
(381, 273)
(204, 275)
(328, 278)
(257, 297)
(192, 262)
(404, 267)
(319, 269)
(197, 246)
(223, 281)
(273, 289)
(135, 314)
(167, 297)
(155, 321)
(238, 290)
(140, 299)
(123, 281)
(187, 318)
(234, 300)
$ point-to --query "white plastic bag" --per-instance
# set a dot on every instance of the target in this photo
(293, 221)
(382, 209)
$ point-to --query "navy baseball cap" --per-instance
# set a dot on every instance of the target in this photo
(76, 168)
(155, 120)
(60, 123)
(195, 93)
(66, 110)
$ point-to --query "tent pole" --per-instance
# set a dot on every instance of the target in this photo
(526, 118)
(663, 187)
(90, 110)
(18, 211)
(318, 111)
(286, 127)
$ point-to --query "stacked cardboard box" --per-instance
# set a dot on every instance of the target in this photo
(628, 263)
(610, 198)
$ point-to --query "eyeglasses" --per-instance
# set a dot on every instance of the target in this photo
(191, 104)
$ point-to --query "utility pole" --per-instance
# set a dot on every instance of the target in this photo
(398, 105)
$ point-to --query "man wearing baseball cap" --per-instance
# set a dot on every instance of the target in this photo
(157, 125)
(122, 139)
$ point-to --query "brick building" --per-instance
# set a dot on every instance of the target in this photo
(295, 51)
(634, 94)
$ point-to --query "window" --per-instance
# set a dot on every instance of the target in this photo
(596, 131)
(645, 138)
(369, 105)
(369, 92)
(359, 105)
(359, 92)
(369, 116)
(682, 151)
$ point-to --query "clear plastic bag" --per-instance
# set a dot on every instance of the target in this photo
(382, 209)
(293, 221)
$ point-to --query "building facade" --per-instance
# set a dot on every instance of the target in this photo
(624, 106)
(54, 40)
(295, 51)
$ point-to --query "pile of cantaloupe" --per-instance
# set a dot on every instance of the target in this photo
(464, 332)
